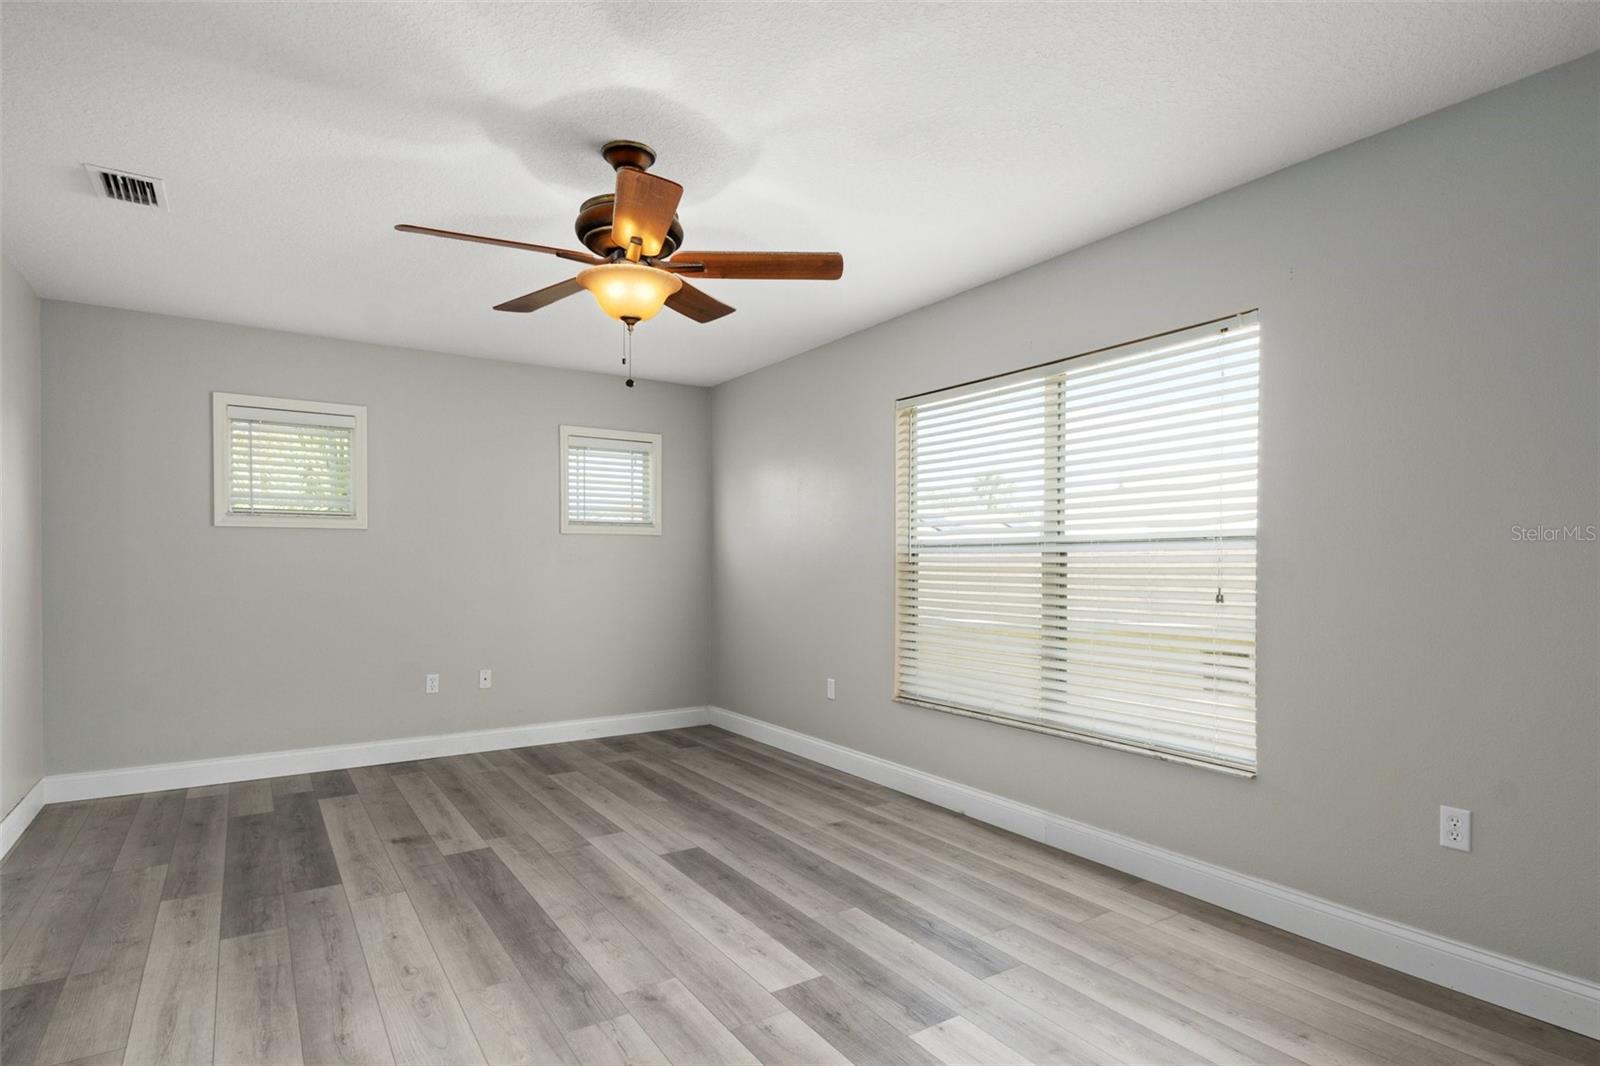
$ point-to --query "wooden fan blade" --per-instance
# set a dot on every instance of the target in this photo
(542, 297)
(697, 304)
(564, 253)
(643, 208)
(777, 266)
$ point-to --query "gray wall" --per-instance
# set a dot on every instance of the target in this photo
(167, 638)
(1431, 378)
(21, 600)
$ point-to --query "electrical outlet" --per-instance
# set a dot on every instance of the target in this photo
(830, 688)
(485, 678)
(431, 685)
(1455, 828)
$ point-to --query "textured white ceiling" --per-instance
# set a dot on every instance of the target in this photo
(936, 146)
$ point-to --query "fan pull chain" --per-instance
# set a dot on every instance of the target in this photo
(627, 353)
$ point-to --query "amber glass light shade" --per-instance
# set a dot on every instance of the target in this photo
(629, 291)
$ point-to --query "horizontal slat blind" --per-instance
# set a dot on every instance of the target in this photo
(290, 462)
(609, 482)
(1076, 547)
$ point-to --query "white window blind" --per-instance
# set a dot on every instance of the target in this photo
(611, 481)
(286, 462)
(1076, 547)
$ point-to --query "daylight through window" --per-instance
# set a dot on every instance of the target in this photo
(1076, 547)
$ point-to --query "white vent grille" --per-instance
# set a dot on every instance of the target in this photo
(140, 189)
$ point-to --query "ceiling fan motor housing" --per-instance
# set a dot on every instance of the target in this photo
(593, 228)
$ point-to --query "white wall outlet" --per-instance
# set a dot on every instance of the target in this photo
(830, 688)
(485, 678)
(1455, 828)
(431, 685)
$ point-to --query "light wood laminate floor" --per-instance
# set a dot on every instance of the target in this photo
(685, 897)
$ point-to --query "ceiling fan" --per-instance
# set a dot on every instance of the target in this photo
(634, 263)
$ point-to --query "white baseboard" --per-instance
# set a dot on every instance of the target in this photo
(93, 784)
(1570, 1002)
(21, 816)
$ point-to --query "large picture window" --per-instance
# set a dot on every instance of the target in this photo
(1076, 547)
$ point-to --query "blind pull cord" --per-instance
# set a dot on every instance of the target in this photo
(1221, 418)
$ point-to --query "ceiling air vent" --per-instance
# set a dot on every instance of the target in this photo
(138, 189)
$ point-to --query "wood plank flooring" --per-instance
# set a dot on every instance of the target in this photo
(688, 897)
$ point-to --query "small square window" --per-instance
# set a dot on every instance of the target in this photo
(288, 463)
(610, 481)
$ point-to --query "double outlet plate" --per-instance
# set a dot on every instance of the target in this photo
(1455, 828)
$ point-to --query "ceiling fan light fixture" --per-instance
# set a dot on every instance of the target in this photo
(626, 231)
(629, 291)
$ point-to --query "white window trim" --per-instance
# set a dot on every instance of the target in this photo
(221, 516)
(629, 436)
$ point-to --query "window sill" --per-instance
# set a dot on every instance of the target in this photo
(1083, 738)
(289, 521)
(611, 531)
